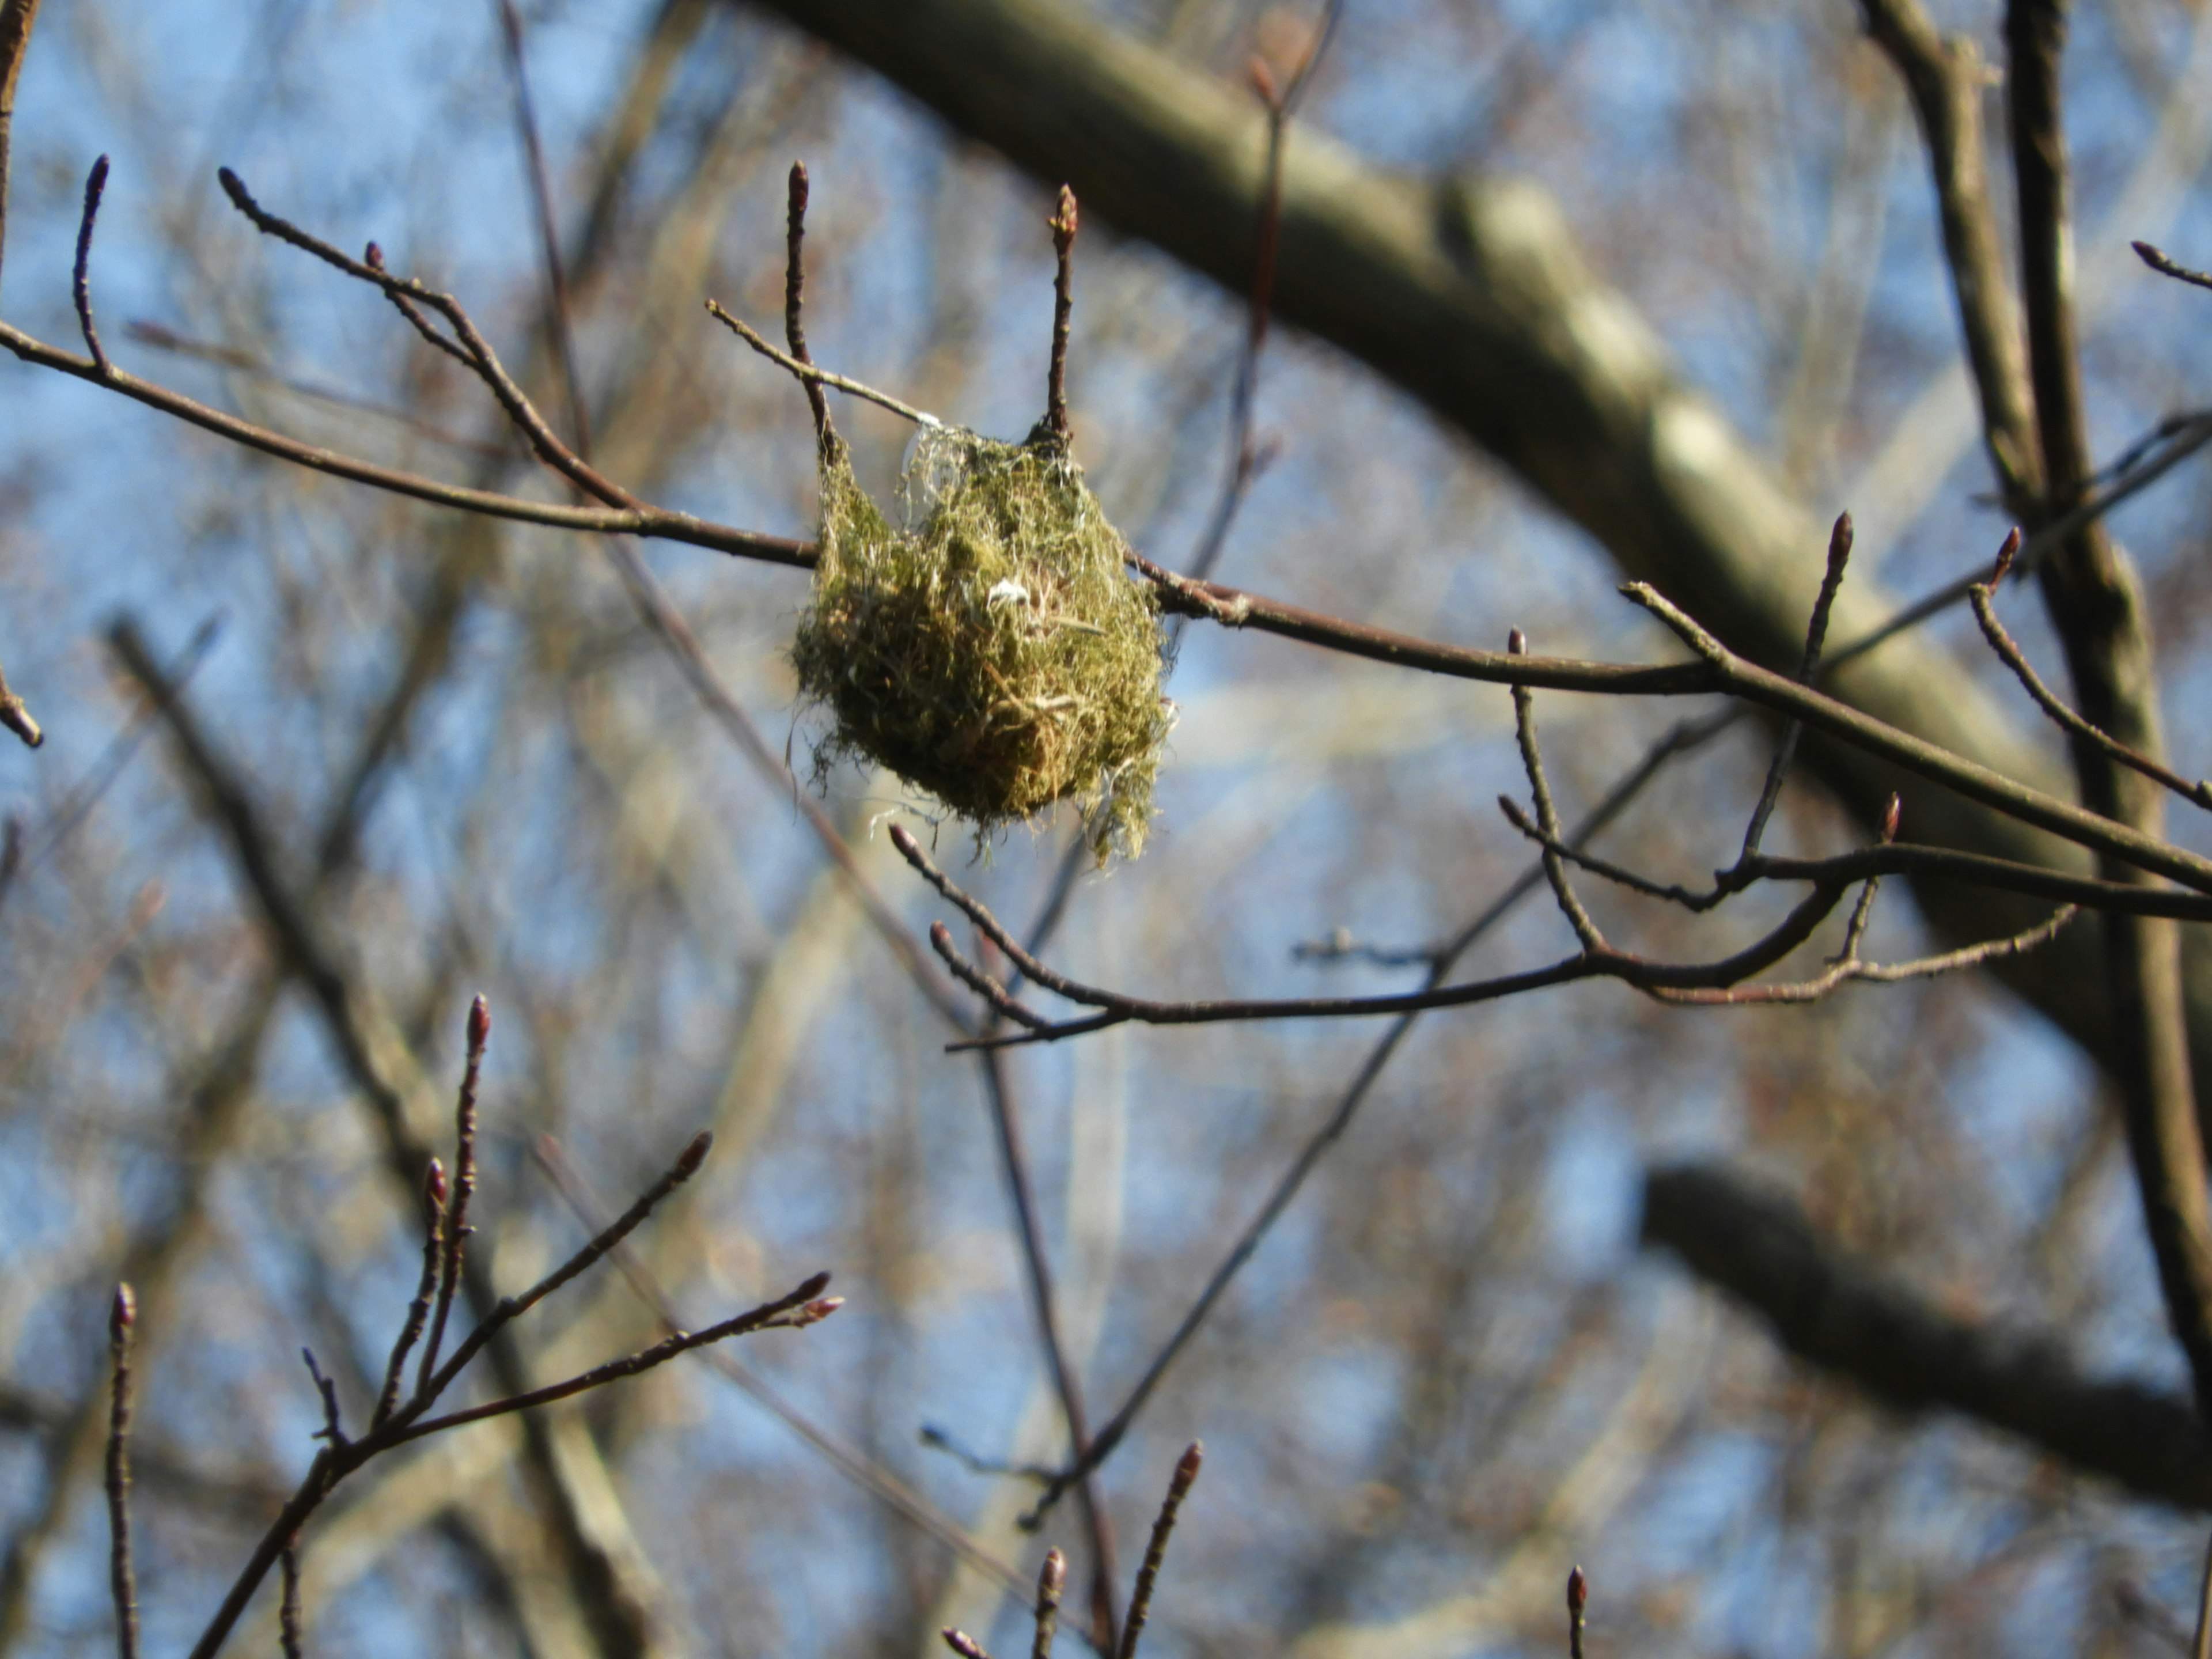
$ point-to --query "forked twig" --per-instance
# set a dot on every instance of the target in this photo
(512, 1308)
(340, 1455)
(1816, 634)
(453, 1225)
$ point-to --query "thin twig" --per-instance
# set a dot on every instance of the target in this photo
(549, 235)
(1982, 596)
(474, 349)
(1592, 962)
(1922, 862)
(807, 373)
(1064, 224)
(418, 1310)
(2165, 267)
(1246, 458)
(95, 184)
(1532, 763)
(2184, 441)
(1006, 1122)
(333, 1430)
(794, 1310)
(794, 296)
(453, 1228)
(656, 522)
(1850, 968)
(1816, 633)
(1148, 1575)
(122, 1575)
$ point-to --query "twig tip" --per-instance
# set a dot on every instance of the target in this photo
(695, 1154)
(2006, 555)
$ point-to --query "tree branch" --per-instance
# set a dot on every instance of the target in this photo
(1847, 1316)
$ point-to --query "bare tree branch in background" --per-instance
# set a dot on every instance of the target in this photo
(1848, 1317)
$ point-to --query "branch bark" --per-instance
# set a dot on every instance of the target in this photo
(1945, 77)
(2096, 606)
(1848, 1317)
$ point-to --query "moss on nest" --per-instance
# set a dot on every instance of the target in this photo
(994, 651)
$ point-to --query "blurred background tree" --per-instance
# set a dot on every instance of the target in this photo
(1565, 291)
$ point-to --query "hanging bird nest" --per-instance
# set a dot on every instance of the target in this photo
(995, 650)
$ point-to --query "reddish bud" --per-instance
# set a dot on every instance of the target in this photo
(1188, 1465)
(2006, 555)
(1516, 643)
(1890, 816)
(797, 190)
(1052, 1577)
(433, 1186)
(373, 257)
(903, 838)
(813, 1312)
(479, 1025)
(123, 1314)
(1577, 1592)
(1065, 222)
(1263, 81)
(693, 1155)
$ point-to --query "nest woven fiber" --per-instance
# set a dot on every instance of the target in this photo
(994, 651)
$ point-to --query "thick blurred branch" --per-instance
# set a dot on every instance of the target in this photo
(2096, 606)
(1847, 1316)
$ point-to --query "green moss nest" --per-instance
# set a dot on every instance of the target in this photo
(995, 652)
